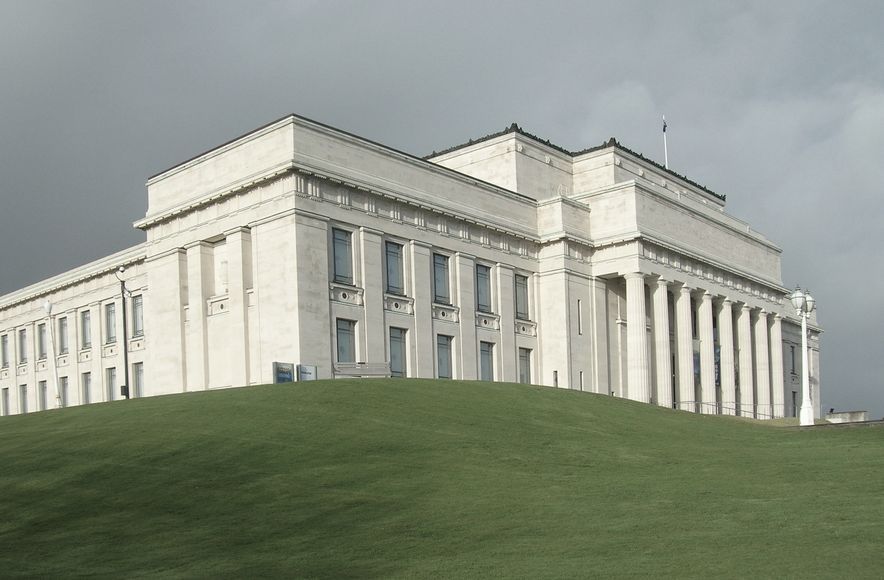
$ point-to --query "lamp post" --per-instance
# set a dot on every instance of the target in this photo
(125, 388)
(47, 306)
(804, 304)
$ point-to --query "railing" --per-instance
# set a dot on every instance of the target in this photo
(754, 411)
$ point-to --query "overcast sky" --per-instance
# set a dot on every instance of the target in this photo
(778, 105)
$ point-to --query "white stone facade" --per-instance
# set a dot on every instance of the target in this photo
(505, 259)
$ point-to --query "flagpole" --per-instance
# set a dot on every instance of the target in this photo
(665, 150)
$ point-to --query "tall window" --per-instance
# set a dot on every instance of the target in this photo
(4, 351)
(41, 341)
(63, 390)
(397, 352)
(4, 401)
(63, 335)
(110, 323)
(522, 297)
(443, 356)
(525, 365)
(138, 379)
(483, 288)
(110, 375)
(85, 330)
(22, 346)
(22, 399)
(137, 315)
(42, 395)
(395, 278)
(346, 334)
(486, 361)
(441, 292)
(792, 358)
(86, 381)
(342, 254)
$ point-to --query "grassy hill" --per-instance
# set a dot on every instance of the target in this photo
(431, 479)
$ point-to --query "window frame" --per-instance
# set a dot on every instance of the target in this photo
(85, 329)
(63, 343)
(110, 323)
(526, 314)
(398, 267)
(484, 286)
(22, 346)
(4, 350)
(402, 340)
(349, 326)
(347, 249)
(137, 304)
(42, 350)
(486, 352)
(448, 342)
(524, 357)
(441, 268)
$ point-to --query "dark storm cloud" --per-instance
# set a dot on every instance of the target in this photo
(779, 105)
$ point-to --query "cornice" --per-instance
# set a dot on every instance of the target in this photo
(95, 269)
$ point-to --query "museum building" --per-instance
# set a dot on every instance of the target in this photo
(507, 258)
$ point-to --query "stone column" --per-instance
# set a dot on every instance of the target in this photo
(726, 348)
(661, 344)
(777, 385)
(421, 283)
(637, 386)
(685, 349)
(744, 338)
(239, 280)
(707, 356)
(199, 280)
(374, 330)
(466, 350)
(762, 367)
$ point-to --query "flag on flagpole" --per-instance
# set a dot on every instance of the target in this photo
(664, 123)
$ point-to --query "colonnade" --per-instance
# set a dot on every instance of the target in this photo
(748, 378)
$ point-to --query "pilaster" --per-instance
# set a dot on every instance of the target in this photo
(637, 387)
(685, 349)
(726, 349)
(762, 367)
(744, 340)
(661, 344)
(708, 404)
(778, 388)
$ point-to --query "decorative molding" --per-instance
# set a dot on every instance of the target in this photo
(446, 312)
(217, 305)
(398, 304)
(84, 356)
(346, 294)
(488, 320)
(109, 350)
(526, 327)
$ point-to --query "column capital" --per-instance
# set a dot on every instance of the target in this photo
(726, 300)
(663, 282)
(762, 313)
(778, 317)
(707, 295)
(633, 275)
(746, 308)
(685, 289)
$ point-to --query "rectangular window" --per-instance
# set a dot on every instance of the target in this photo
(443, 356)
(395, 269)
(85, 330)
(346, 334)
(63, 391)
(792, 357)
(525, 365)
(4, 351)
(522, 297)
(22, 399)
(41, 341)
(22, 346)
(441, 293)
(110, 375)
(398, 343)
(63, 335)
(138, 315)
(486, 361)
(342, 256)
(579, 316)
(86, 380)
(4, 401)
(483, 288)
(110, 323)
(138, 379)
(42, 395)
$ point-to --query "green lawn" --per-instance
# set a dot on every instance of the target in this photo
(432, 479)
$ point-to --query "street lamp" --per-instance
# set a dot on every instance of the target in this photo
(804, 304)
(124, 390)
(47, 306)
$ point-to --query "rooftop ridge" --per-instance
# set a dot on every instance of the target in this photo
(611, 142)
